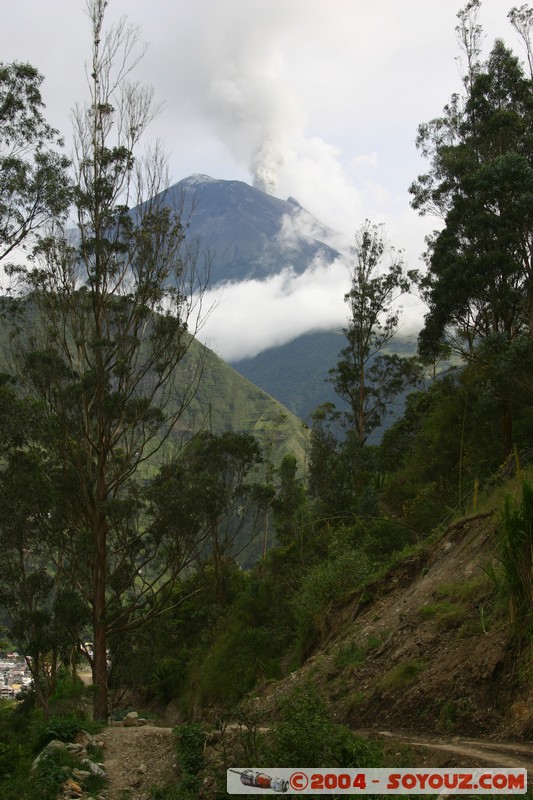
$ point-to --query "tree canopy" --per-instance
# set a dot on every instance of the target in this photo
(480, 268)
(366, 377)
(34, 187)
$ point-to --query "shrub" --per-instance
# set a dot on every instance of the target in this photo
(50, 773)
(400, 675)
(306, 737)
(62, 728)
(515, 554)
(190, 748)
(321, 585)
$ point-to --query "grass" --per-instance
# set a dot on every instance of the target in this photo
(354, 700)
(446, 615)
(350, 654)
(464, 591)
(401, 675)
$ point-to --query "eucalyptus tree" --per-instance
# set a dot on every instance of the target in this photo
(34, 188)
(480, 184)
(479, 283)
(367, 377)
(113, 309)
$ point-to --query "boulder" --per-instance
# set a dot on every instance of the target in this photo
(55, 744)
(94, 769)
(72, 789)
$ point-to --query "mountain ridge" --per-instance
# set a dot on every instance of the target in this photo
(247, 233)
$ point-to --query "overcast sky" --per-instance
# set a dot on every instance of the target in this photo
(318, 99)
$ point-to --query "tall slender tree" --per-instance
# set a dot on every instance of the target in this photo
(113, 310)
(366, 377)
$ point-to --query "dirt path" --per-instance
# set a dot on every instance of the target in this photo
(459, 751)
(137, 759)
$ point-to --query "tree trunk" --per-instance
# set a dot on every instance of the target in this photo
(507, 424)
(100, 700)
(530, 305)
(361, 410)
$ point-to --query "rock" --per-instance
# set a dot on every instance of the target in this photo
(131, 720)
(55, 744)
(72, 788)
(143, 721)
(84, 738)
(75, 748)
(80, 774)
(142, 769)
(94, 769)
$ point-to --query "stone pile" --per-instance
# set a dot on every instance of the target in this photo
(75, 777)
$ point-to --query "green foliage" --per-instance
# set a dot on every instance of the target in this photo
(453, 714)
(15, 749)
(50, 773)
(222, 470)
(240, 656)
(351, 654)
(343, 476)
(190, 747)
(480, 181)
(464, 590)
(448, 615)
(190, 740)
(306, 736)
(400, 675)
(23, 734)
(34, 186)
(515, 547)
(321, 585)
(289, 505)
(62, 728)
(365, 377)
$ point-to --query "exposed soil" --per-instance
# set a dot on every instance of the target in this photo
(137, 759)
(424, 648)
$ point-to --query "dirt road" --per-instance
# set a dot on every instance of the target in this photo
(137, 759)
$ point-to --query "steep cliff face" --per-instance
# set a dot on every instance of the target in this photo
(426, 647)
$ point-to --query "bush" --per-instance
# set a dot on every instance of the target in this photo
(190, 748)
(62, 728)
(306, 737)
(515, 554)
(50, 773)
(321, 585)
(400, 675)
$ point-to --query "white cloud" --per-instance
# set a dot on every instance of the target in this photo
(251, 316)
(365, 160)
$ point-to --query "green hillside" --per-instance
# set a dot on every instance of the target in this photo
(226, 401)
(297, 373)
